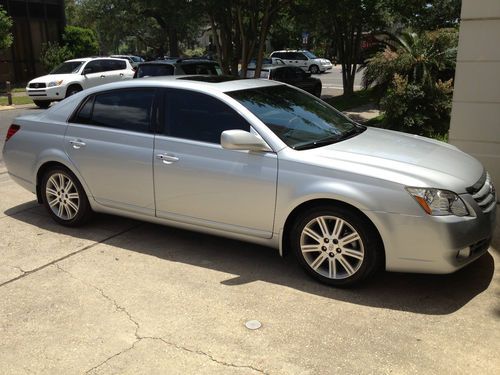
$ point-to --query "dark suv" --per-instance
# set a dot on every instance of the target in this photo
(177, 67)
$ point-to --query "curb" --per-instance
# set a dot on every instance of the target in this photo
(20, 106)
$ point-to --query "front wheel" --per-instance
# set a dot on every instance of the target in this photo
(64, 197)
(42, 103)
(335, 245)
(314, 69)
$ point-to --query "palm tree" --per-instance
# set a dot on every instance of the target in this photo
(422, 59)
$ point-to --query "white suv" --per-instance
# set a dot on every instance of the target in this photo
(76, 75)
(303, 59)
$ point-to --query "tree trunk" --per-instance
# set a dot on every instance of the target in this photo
(173, 41)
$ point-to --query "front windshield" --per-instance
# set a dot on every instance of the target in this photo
(300, 120)
(310, 55)
(68, 67)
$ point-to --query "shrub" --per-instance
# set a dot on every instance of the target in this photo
(417, 109)
(5, 26)
(53, 54)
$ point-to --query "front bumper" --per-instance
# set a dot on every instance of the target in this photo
(325, 67)
(47, 93)
(434, 244)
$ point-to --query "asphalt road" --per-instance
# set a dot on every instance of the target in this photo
(332, 81)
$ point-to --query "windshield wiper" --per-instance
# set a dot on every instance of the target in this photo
(331, 139)
(320, 142)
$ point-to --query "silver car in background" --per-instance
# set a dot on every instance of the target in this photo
(258, 161)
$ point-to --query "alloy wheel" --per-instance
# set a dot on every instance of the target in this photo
(332, 247)
(62, 196)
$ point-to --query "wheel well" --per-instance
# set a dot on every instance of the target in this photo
(39, 175)
(74, 85)
(297, 211)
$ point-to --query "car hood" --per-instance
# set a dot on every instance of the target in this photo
(53, 77)
(404, 158)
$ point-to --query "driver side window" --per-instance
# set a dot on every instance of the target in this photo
(199, 117)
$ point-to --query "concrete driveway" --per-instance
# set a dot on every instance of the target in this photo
(124, 297)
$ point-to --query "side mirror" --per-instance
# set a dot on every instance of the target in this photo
(87, 71)
(242, 140)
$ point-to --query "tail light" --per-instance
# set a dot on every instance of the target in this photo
(12, 130)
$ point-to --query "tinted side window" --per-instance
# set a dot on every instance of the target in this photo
(124, 109)
(95, 66)
(199, 117)
(153, 70)
(299, 56)
(114, 65)
(84, 114)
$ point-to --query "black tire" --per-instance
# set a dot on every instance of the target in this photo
(331, 256)
(317, 91)
(84, 211)
(42, 103)
(72, 90)
(314, 69)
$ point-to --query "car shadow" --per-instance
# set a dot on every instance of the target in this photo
(417, 293)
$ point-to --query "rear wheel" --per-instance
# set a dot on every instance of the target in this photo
(42, 103)
(335, 245)
(64, 197)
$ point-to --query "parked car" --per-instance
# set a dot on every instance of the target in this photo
(76, 75)
(258, 161)
(177, 67)
(292, 75)
(266, 62)
(303, 59)
(134, 60)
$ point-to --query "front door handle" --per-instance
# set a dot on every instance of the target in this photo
(103, 76)
(77, 144)
(167, 158)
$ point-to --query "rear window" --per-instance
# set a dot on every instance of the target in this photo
(201, 68)
(154, 70)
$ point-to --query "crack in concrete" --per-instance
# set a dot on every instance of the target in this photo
(211, 357)
(139, 338)
(27, 273)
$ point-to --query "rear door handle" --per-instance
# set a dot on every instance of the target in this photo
(77, 144)
(167, 158)
(121, 74)
(103, 76)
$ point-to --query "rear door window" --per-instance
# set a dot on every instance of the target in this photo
(119, 109)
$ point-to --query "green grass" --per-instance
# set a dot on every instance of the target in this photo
(19, 89)
(358, 98)
(16, 100)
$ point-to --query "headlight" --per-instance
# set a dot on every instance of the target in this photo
(54, 83)
(438, 202)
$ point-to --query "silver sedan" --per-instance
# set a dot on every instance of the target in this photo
(257, 161)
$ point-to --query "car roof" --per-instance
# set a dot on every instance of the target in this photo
(194, 82)
(179, 61)
(84, 59)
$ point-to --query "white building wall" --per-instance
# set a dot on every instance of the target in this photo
(475, 116)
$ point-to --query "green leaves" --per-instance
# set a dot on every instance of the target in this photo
(5, 26)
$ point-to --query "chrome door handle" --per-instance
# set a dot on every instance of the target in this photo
(77, 144)
(167, 159)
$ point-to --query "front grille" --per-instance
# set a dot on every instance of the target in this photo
(483, 193)
(37, 85)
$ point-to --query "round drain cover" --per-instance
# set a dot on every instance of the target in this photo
(253, 324)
